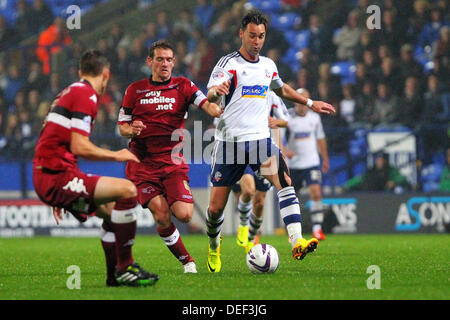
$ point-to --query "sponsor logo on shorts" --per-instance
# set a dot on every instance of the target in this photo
(218, 176)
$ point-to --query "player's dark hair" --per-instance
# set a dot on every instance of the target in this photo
(160, 44)
(256, 17)
(92, 62)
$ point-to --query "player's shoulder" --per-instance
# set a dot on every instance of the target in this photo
(266, 60)
(78, 90)
(228, 59)
(314, 115)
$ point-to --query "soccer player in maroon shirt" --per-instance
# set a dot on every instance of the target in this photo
(152, 109)
(59, 182)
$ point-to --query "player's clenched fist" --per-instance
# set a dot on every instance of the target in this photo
(136, 128)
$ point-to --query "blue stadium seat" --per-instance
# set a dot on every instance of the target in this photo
(346, 70)
(285, 21)
(430, 186)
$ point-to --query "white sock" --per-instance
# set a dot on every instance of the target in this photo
(290, 213)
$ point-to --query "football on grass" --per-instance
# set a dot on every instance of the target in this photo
(263, 258)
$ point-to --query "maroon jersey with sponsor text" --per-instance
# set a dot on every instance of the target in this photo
(74, 110)
(162, 107)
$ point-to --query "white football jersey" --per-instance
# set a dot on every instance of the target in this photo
(303, 135)
(246, 112)
(277, 108)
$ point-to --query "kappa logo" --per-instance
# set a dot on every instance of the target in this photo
(76, 185)
(93, 98)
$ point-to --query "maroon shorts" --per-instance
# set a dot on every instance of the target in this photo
(71, 189)
(153, 179)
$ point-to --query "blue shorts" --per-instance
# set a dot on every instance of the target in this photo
(261, 183)
(308, 176)
(230, 159)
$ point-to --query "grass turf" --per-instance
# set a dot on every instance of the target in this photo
(411, 267)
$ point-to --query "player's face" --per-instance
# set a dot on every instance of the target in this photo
(161, 64)
(253, 39)
(301, 109)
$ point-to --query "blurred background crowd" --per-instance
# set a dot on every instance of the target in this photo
(392, 78)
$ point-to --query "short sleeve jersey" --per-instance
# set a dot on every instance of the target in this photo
(303, 135)
(73, 110)
(245, 116)
(161, 106)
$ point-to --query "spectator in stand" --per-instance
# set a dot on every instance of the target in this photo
(430, 32)
(408, 65)
(150, 34)
(23, 20)
(365, 104)
(441, 47)
(391, 32)
(444, 182)
(434, 111)
(389, 74)
(36, 80)
(305, 80)
(284, 69)
(320, 38)
(386, 105)
(50, 42)
(104, 47)
(42, 16)
(115, 35)
(409, 114)
(371, 63)
(365, 43)
(381, 177)
(202, 61)
(347, 38)
(55, 86)
(333, 81)
(8, 35)
(418, 20)
(12, 138)
(347, 105)
(203, 10)
(164, 25)
(14, 83)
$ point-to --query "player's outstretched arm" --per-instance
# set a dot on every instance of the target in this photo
(215, 92)
(212, 109)
(81, 146)
(287, 92)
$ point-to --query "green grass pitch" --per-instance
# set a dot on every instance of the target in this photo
(411, 267)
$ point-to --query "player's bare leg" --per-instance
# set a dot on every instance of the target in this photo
(276, 171)
(217, 201)
(169, 232)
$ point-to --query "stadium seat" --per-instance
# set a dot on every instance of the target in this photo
(346, 70)
(285, 21)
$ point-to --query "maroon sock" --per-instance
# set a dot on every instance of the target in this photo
(123, 222)
(172, 239)
(108, 241)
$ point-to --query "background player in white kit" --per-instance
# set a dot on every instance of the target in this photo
(240, 81)
(306, 141)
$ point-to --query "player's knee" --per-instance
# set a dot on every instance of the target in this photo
(185, 215)
(214, 211)
(258, 204)
(247, 194)
(162, 218)
(129, 190)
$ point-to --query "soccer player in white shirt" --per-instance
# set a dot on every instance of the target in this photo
(240, 82)
(306, 144)
(252, 189)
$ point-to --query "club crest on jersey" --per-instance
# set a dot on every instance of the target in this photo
(256, 91)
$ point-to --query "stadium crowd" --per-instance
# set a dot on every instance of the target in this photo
(401, 71)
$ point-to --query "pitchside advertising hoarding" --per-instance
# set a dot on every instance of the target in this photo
(350, 213)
